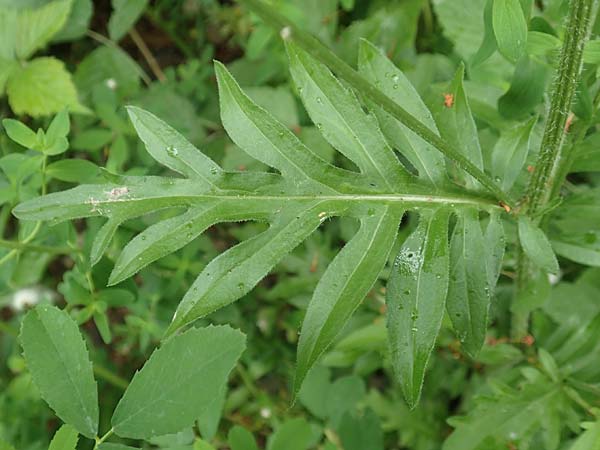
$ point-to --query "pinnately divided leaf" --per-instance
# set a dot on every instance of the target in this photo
(58, 361)
(295, 199)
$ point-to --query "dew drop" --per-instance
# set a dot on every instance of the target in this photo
(319, 100)
(395, 86)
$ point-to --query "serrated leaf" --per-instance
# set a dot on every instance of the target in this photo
(65, 439)
(510, 28)
(378, 69)
(469, 293)
(537, 246)
(59, 364)
(42, 87)
(36, 27)
(181, 378)
(346, 282)
(416, 295)
(125, 14)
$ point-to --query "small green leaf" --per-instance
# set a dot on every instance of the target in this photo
(77, 23)
(59, 127)
(239, 438)
(42, 87)
(536, 246)
(510, 153)
(74, 170)
(294, 434)
(510, 28)
(20, 133)
(416, 296)
(526, 90)
(488, 45)
(179, 380)
(125, 15)
(65, 439)
(59, 364)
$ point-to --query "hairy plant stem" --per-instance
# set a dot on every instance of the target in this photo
(553, 153)
(321, 52)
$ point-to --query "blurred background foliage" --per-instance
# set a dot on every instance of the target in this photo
(95, 57)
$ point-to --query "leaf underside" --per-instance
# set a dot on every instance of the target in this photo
(295, 199)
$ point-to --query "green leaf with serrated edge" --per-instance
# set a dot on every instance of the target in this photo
(342, 121)
(495, 247)
(416, 296)
(42, 87)
(125, 14)
(456, 124)
(20, 133)
(536, 246)
(344, 285)
(510, 28)
(510, 413)
(469, 294)
(239, 438)
(510, 153)
(378, 69)
(181, 378)
(295, 202)
(59, 364)
(65, 439)
(36, 27)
